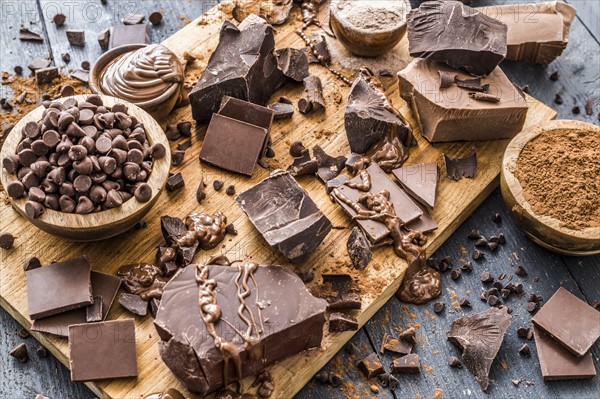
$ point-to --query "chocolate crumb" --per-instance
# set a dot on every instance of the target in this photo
(576, 110)
(493, 300)
(467, 266)
(520, 271)
(19, 352)
(41, 352)
(18, 69)
(455, 274)
(522, 332)
(558, 99)
(496, 218)
(464, 303)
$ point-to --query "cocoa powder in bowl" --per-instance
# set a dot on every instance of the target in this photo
(559, 172)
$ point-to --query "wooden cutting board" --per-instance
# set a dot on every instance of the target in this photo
(456, 200)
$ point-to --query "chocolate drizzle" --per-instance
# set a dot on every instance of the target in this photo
(143, 279)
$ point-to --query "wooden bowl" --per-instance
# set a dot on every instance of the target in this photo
(98, 225)
(362, 42)
(544, 230)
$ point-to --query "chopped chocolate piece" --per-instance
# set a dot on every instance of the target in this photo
(479, 338)
(134, 303)
(155, 17)
(285, 215)
(41, 352)
(230, 229)
(576, 110)
(474, 235)
(185, 145)
(359, 248)
(486, 277)
(467, 266)
(458, 168)
(329, 167)
(293, 63)
(370, 117)
(243, 66)
(27, 35)
(94, 312)
(39, 63)
(230, 190)
(455, 274)
(121, 34)
(71, 278)
(395, 345)
(497, 284)
(112, 350)
(76, 37)
(493, 300)
(345, 295)
(450, 115)
(103, 39)
(177, 157)
(104, 286)
(304, 166)
(18, 69)
(455, 362)
(200, 194)
(282, 110)
(23, 334)
(294, 313)
(525, 351)
(46, 75)
(556, 319)
(409, 335)
(420, 181)
(175, 182)
(335, 183)
(464, 303)
(558, 99)
(477, 254)
(313, 99)
(437, 30)
(218, 185)
(19, 352)
(407, 364)
(438, 307)
(78, 74)
(522, 332)
(371, 366)
(7, 241)
(554, 76)
(505, 293)
(557, 363)
(340, 322)
(133, 19)
(532, 307)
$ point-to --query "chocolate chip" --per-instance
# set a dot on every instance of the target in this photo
(497, 284)
(19, 352)
(505, 293)
(493, 300)
(32, 263)
(297, 149)
(230, 228)
(454, 362)
(467, 266)
(143, 192)
(177, 157)
(18, 69)
(474, 234)
(322, 376)
(7, 240)
(85, 65)
(175, 182)
(66, 57)
(558, 99)
(438, 307)
(492, 246)
(230, 190)
(185, 128)
(455, 274)
(172, 132)
(200, 194)
(525, 351)
(535, 298)
(486, 277)
(15, 189)
(157, 151)
(464, 303)
(520, 271)
(218, 185)
(554, 76)
(33, 210)
(84, 206)
(41, 352)
(477, 254)
(532, 307)
(482, 242)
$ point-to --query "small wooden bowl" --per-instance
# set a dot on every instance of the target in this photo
(98, 225)
(544, 230)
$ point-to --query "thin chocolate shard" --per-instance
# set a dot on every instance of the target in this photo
(285, 215)
(282, 110)
(484, 97)
(304, 166)
(27, 35)
(395, 345)
(329, 167)
(94, 311)
(556, 319)
(371, 366)
(557, 363)
(243, 66)
(479, 338)
(457, 35)
(19, 352)
(451, 115)
(359, 248)
(134, 303)
(340, 322)
(345, 296)
(370, 117)
(335, 183)
(313, 99)
(473, 84)
(293, 63)
(121, 34)
(543, 44)
(39, 63)
(289, 320)
(407, 364)
(458, 168)
(420, 181)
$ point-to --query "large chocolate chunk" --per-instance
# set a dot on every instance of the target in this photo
(293, 63)
(450, 114)
(288, 320)
(243, 66)
(457, 35)
(479, 337)
(370, 116)
(542, 44)
(285, 215)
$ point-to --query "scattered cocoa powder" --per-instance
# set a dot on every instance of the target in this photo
(558, 171)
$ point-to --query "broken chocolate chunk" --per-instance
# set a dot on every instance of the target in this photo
(328, 167)
(304, 166)
(293, 63)
(313, 99)
(39, 63)
(27, 35)
(94, 312)
(121, 34)
(346, 296)
(420, 181)
(407, 364)
(340, 322)
(479, 338)
(395, 345)
(76, 37)
(46, 75)
(371, 366)
(525, 351)
(359, 249)
(282, 110)
(175, 182)
(458, 168)
(438, 307)
(134, 303)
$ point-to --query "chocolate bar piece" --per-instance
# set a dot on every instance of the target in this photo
(285, 215)
(371, 366)
(479, 337)
(537, 32)
(70, 278)
(425, 223)
(110, 354)
(287, 320)
(103, 285)
(243, 66)
(570, 321)
(369, 115)
(557, 363)
(407, 364)
(457, 35)
(94, 312)
(329, 167)
(340, 322)
(450, 114)
(128, 34)
(420, 181)
(405, 208)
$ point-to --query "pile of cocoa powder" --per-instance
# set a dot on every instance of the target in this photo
(560, 175)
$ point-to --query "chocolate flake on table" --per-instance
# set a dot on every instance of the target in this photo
(175, 182)
(94, 312)
(121, 34)
(420, 181)
(76, 37)
(313, 99)
(293, 63)
(113, 350)
(282, 110)
(243, 65)
(133, 19)
(479, 338)
(340, 322)
(457, 168)
(71, 278)
(395, 345)
(556, 319)
(557, 363)
(369, 116)
(19, 352)
(558, 99)
(371, 366)
(285, 215)
(7, 240)
(345, 295)
(329, 167)
(227, 311)
(104, 286)
(407, 364)
(458, 35)
(27, 35)
(359, 248)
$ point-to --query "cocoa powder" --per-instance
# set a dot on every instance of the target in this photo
(559, 172)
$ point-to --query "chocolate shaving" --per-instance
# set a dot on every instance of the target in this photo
(458, 168)
(446, 79)
(484, 97)
(27, 35)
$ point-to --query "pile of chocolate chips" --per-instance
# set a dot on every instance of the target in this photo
(82, 157)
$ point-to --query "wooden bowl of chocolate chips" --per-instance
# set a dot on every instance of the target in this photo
(550, 183)
(85, 168)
